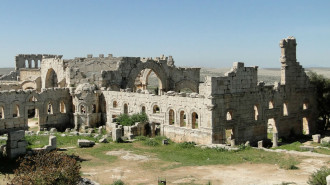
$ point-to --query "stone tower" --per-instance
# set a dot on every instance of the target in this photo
(292, 73)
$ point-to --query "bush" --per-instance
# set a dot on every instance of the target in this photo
(319, 177)
(118, 182)
(127, 120)
(186, 145)
(141, 138)
(151, 142)
(47, 168)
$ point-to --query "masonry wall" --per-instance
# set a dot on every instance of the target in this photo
(12, 119)
(135, 102)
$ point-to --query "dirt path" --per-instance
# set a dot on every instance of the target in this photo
(139, 169)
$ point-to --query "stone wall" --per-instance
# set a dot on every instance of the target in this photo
(14, 107)
(136, 102)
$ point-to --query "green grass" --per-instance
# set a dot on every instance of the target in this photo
(181, 154)
(292, 146)
(3, 142)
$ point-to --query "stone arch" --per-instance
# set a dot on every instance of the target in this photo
(2, 110)
(171, 116)
(51, 78)
(256, 112)
(305, 104)
(63, 107)
(125, 108)
(143, 108)
(182, 116)
(16, 109)
(82, 108)
(29, 85)
(195, 119)
(193, 86)
(155, 67)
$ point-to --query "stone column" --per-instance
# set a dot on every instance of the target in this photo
(30, 63)
(275, 139)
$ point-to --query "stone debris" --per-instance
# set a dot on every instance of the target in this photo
(316, 138)
(103, 140)
(325, 140)
(85, 143)
(16, 145)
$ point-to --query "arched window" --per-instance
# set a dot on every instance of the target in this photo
(155, 109)
(285, 109)
(256, 112)
(93, 108)
(33, 99)
(182, 119)
(171, 117)
(194, 120)
(82, 109)
(50, 108)
(62, 107)
(114, 104)
(229, 115)
(125, 108)
(2, 113)
(143, 110)
(26, 64)
(16, 111)
(271, 104)
(305, 105)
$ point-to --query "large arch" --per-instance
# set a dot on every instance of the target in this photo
(51, 79)
(155, 67)
(193, 86)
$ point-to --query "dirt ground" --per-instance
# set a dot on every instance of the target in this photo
(138, 169)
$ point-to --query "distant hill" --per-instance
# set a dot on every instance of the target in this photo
(6, 70)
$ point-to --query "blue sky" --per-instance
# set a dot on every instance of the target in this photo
(196, 33)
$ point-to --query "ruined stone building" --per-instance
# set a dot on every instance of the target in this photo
(92, 91)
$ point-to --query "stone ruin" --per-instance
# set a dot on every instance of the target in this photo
(87, 92)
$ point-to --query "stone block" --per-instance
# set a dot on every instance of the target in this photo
(21, 144)
(308, 148)
(85, 134)
(16, 135)
(316, 138)
(85, 143)
(15, 152)
(52, 141)
(12, 144)
(165, 142)
(260, 144)
(325, 140)
(103, 140)
(53, 130)
(232, 142)
(247, 143)
(328, 180)
(117, 133)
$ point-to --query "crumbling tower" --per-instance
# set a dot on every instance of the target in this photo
(292, 73)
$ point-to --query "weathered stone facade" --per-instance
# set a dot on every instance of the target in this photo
(91, 91)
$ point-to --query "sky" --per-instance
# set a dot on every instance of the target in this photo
(203, 33)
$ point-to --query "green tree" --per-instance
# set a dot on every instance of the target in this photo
(322, 85)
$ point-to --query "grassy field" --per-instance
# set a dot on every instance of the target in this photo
(183, 154)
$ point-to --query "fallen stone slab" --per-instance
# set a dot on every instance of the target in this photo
(85, 143)
(325, 140)
(307, 148)
(103, 140)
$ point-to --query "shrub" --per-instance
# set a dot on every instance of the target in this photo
(118, 182)
(319, 177)
(186, 145)
(141, 138)
(127, 120)
(151, 142)
(47, 168)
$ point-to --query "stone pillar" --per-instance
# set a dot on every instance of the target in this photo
(232, 142)
(275, 139)
(328, 180)
(30, 63)
(16, 145)
(260, 145)
(316, 138)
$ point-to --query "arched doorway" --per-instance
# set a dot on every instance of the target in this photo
(51, 79)
(147, 79)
